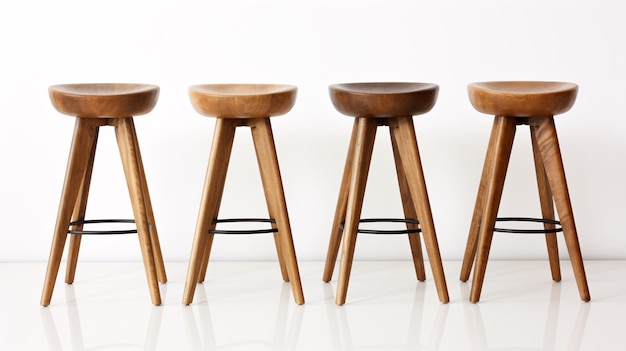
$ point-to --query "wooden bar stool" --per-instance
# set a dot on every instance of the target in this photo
(94, 106)
(533, 104)
(242, 105)
(374, 105)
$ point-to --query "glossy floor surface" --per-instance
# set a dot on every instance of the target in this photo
(246, 306)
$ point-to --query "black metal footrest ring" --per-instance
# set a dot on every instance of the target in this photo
(386, 220)
(529, 231)
(244, 231)
(102, 232)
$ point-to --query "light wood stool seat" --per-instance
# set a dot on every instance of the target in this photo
(242, 105)
(243, 100)
(97, 105)
(392, 105)
(104, 100)
(522, 98)
(534, 104)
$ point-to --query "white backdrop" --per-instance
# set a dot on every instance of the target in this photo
(310, 44)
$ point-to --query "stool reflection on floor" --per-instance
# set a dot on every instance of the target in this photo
(533, 104)
(242, 105)
(97, 105)
(392, 105)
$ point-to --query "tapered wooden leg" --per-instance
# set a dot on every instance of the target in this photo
(503, 143)
(403, 133)
(548, 143)
(472, 237)
(340, 211)
(79, 215)
(284, 272)
(154, 237)
(363, 147)
(217, 168)
(409, 211)
(547, 209)
(80, 151)
(274, 193)
(206, 255)
(124, 129)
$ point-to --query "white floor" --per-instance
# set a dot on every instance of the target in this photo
(246, 306)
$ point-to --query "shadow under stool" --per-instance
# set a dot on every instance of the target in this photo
(374, 105)
(94, 106)
(534, 104)
(242, 105)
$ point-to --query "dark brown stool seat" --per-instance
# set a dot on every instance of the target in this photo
(94, 106)
(392, 105)
(534, 104)
(242, 105)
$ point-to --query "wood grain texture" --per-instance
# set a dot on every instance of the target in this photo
(223, 137)
(472, 237)
(533, 104)
(409, 209)
(154, 237)
(547, 208)
(104, 100)
(97, 105)
(124, 131)
(375, 105)
(79, 215)
(403, 133)
(242, 100)
(383, 99)
(243, 105)
(522, 98)
(366, 134)
(547, 141)
(85, 131)
(336, 233)
(505, 129)
(276, 203)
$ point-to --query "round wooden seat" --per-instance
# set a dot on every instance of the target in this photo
(522, 98)
(95, 106)
(396, 99)
(235, 106)
(515, 104)
(242, 100)
(375, 105)
(104, 100)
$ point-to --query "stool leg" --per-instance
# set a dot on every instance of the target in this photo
(217, 168)
(284, 271)
(275, 196)
(79, 215)
(403, 132)
(80, 151)
(503, 143)
(125, 139)
(548, 143)
(340, 211)
(154, 237)
(409, 211)
(472, 237)
(547, 209)
(363, 147)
